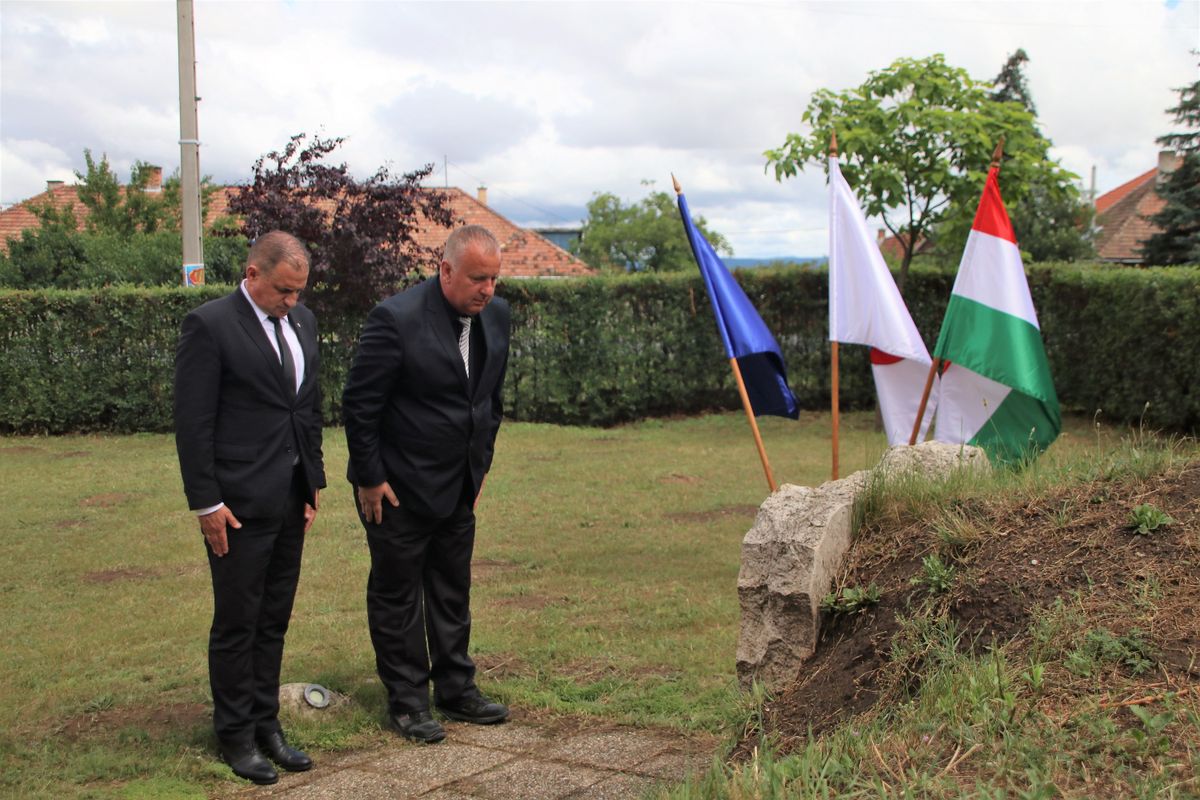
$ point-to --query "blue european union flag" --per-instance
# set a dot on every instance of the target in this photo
(742, 330)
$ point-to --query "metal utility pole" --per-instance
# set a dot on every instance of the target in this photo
(189, 149)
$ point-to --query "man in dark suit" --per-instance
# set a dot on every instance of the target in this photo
(248, 432)
(422, 406)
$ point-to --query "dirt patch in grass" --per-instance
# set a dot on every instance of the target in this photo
(73, 454)
(498, 666)
(676, 478)
(1074, 544)
(141, 573)
(64, 524)
(723, 512)
(526, 602)
(122, 574)
(20, 450)
(483, 569)
(107, 500)
(154, 720)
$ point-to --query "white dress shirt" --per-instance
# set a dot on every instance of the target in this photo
(289, 335)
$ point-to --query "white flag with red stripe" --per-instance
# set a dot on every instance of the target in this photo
(865, 307)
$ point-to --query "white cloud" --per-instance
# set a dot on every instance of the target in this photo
(547, 103)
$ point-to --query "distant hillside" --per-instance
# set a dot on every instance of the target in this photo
(812, 262)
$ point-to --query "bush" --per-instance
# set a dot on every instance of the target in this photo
(599, 351)
(57, 259)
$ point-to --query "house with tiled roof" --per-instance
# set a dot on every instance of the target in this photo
(525, 253)
(893, 249)
(1123, 215)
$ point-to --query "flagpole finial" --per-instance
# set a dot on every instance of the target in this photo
(998, 152)
(675, 181)
(833, 151)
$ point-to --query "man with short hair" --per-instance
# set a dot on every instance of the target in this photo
(248, 433)
(422, 406)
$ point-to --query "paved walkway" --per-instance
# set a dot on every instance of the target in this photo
(513, 761)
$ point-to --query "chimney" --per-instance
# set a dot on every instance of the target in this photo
(879, 237)
(1168, 162)
(52, 185)
(155, 182)
(482, 195)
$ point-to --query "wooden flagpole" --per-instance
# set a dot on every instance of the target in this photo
(741, 386)
(758, 442)
(833, 361)
(996, 155)
(924, 400)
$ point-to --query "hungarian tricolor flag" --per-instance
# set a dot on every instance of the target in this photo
(865, 307)
(997, 392)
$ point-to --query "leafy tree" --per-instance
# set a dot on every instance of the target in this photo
(1010, 84)
(1178, 240)
(361, 234)
(52, 218)
(1052, 222)
(43, 258)
(112, 209)
(647, 235)
(915, 141)
(172, 198)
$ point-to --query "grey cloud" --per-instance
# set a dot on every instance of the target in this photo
(441, 120)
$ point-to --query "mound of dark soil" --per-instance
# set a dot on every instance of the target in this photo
(1025, 556)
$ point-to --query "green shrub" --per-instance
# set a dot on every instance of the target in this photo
(57, 259)
(600, 351)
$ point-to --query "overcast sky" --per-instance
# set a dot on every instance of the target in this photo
(548, 103)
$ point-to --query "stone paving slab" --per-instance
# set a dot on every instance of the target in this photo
(529, 777)
(513, 761)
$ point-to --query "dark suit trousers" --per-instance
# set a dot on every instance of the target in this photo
(254, 585)
(419, 605)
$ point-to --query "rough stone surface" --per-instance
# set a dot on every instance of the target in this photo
(932, 459)
(794, 549)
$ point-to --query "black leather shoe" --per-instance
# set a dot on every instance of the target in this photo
(283, 754)
(247, 762)
(420, 726)
(474, 708)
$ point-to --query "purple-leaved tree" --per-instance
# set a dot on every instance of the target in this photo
(361, 234)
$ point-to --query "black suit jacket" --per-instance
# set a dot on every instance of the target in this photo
(412, 417)
(237, 428)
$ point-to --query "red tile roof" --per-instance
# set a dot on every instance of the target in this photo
(1122, 216)
(1105, 201)
(19, 217)
(525, 253)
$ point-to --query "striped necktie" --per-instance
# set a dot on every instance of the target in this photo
(464, 343)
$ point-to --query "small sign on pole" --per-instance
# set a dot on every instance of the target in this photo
(193, 274)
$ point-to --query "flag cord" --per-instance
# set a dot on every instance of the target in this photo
(758, 442)
(924, 399)
(833, 348)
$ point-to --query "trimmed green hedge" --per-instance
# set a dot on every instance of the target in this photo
(604, 350)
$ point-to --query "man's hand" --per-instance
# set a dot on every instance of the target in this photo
(370, 500)
(482, 481)
(213, 526)
(310, 512)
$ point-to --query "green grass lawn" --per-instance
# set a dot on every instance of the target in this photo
(605, 583)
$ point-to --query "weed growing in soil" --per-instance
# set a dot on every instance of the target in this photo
(1147, 518)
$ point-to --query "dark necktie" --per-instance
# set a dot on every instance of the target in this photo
(285, 355)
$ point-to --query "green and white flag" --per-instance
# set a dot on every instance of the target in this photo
(997, 392)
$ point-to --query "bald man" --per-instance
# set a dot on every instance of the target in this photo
(422, 406)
